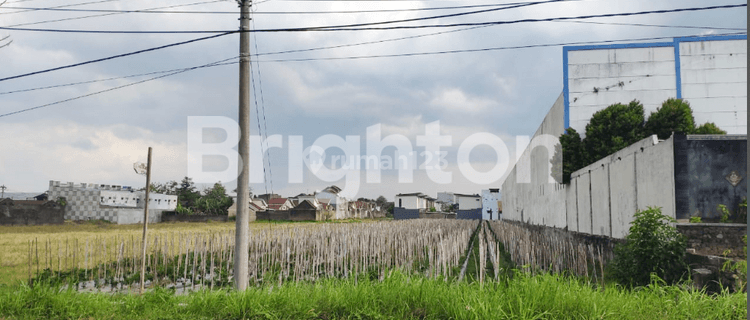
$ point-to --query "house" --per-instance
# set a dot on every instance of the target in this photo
(267, 196)
(337, 202)
(490, 201)
(260, 203)
(306, 210)
(232, 211)
(280, 204)
(415, 200)
(468, 201)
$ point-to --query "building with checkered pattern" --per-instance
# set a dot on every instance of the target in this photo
(117, 204)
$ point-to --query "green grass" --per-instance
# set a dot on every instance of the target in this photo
(541, 296)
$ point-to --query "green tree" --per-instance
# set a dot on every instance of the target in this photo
(214, 200)
(569, 156)
(674, 115)
(612, 129)
(709, 128)
(653, 245)
(187, 194)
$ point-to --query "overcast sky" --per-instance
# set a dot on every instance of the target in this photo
(96, 139)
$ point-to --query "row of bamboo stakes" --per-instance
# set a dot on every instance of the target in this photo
(312, 252)
(555, 250)
(277, 255)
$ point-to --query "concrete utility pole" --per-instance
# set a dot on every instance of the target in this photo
(3, 187)
(241, 238)
(145, 222)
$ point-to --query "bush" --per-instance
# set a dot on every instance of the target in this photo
(674, 115)
(651, 246)
(695, 220)
(709, 128)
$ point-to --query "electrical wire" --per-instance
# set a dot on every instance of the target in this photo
(57, 7)
(115, 56)
(263, 106)
(357, 27)
(217, 63)
(257, 54)
(481, 50)
(108, 90)
(363, 57)
(654, 25)
(276, 12)
(109, 14)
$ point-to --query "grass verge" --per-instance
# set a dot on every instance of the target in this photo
(541, 296)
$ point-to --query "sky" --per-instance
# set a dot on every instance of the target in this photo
(308, 95)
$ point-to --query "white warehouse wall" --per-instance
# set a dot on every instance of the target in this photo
(709, 72)
(714, 80)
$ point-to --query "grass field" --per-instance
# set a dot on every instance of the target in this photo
(14, 240)
(524, 296)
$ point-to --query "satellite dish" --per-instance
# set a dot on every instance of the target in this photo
(140, 168)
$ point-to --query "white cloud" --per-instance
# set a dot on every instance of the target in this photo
(456, 100)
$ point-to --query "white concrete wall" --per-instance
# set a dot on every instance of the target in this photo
(609, 191)
(714, 80)
(527, 189)
(599, 78)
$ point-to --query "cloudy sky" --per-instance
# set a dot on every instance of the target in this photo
(98, 137)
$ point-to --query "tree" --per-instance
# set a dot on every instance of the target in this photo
(381, 201)
(674, 115)
(653, 245)
(569, 156)
(709, 128)
(214, 200)
(187, 195)
(612, 129)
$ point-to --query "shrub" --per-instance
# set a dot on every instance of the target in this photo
(652, 246)
(724, 213)
(674, 115)
(695, 220)
(709, 128)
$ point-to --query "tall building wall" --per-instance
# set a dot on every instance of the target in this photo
(709, 72)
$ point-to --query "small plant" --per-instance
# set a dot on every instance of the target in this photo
(432, 209)
(695, 219)
(724, 213)
(653, 246)
(62, 201)
(737, 267)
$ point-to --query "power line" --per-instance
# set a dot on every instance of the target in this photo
(334, 47)
(116, 56)
(276, 12)
(263, 106)
(217, 63)
(353, 27)
(654, 25)
(57, 7)
(108, 14)
(478, 50)
(213, 64)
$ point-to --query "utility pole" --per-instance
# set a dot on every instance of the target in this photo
(3, 191)
(145, 222)
(241, 238)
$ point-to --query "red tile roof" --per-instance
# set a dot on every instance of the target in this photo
(277, 201)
